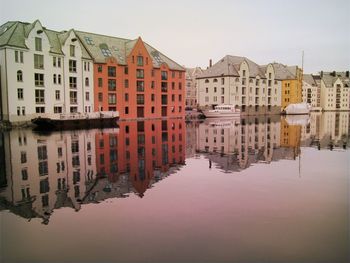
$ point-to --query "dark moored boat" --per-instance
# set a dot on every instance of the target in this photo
(77, 121)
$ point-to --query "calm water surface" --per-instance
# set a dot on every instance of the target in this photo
(265, 189)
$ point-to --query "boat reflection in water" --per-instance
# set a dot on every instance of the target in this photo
(44, 172)
(72, 168)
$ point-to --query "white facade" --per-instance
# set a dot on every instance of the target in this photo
(334, 95)
(35, 80)
(246, 89)
(311, 95)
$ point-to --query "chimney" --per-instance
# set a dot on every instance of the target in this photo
(210, 63)
(347, 74)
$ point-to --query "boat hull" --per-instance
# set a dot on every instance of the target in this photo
(221, 114)
(52, 124)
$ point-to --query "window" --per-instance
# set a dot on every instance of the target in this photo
(140, 60)
(23, 157)
(87, 82)
(126, 97)
(38, 61)
(153, 84)
(180, 85)
(72, 65)
(72, 82)
(73, 97)
(164, 75)
(23, 110)
(87, 96)
(16, 56)
(172, 97)
(39, 79)
(19, 76)
(152, 97)
(99, 82)
(54, 79)
(54, 61)
(99, 68)
(24, 174)
(39, 96)
(105, 50)
(180, 98)
(57, 109)
(18, 111)
(126, 110)
(20, 94)
(140, 99)
(126, 83)
(173, 74)
(111, 71)
(89, 41)
(58, 62)
(72, 50)
(100, 96)
(111, 84)
(40, 109)
(112, 99)
(42, 152)
(139, 74)
(38, 44)
(140, 85)
(126, 70)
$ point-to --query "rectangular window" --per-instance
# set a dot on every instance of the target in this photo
(72, 50)
(126, 70)
(20, 94)
(58, 62)
(57, 95)
(57, 109)
(23, 157)
(164, 75)
(126, 110)
(38, 61)
(16, 56)
(153, 84)
(54, 61)
(72, 82)
(40, 109)
(99, 68)
(140, 60)
(139, 73)
(140, 99)
(23, 110)
(112, 84)
(112, 99)
(73, 97)
(100, 96)
(38, 44)
(99, 82)
(140, 85)
(21, 57)
(72, 65)
(126, 97)
(39, 79)
(126, 83)
(39, 96)
(87, 96)
(152, 97)
(112, 71)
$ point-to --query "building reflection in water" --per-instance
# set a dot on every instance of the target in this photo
(235, 144)
(69, 169)
(43, 172)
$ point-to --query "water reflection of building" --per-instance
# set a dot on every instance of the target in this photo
(191, 138)
(68, 169)
(235, 144)
(327, 130)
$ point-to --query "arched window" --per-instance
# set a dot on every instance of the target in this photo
(215, 80)
(207, 81)
(87, 82)
(19, 75)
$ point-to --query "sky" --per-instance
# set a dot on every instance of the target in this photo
(192, 32)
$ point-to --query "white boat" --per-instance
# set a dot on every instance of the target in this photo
(297, 108)
(224, 110)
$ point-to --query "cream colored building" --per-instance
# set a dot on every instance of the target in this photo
(335, 91)
(255, 89)
(191, 86)
(311, 91)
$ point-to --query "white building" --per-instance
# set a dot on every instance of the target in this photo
(335, 91)
(191, 86)
(42, 72)
(237, 80)
(311, 91)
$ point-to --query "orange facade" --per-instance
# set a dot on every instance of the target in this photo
(141, 149)
(137, 89)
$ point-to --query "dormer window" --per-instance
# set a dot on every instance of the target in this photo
(38, 44)
(89, 41)
(105, 50)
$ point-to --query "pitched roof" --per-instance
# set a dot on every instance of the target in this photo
(283, 71)
(309, 79)
(15, 33)
(229, 66)
(330, 77)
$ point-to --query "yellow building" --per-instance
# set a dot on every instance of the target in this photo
(290, 136)
(292, 87)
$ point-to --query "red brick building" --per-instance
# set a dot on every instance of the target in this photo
(133, 78)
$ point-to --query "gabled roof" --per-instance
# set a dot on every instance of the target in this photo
(284, 72)
(309, 79)
(329, 78)
(15, 33)
(192, 73)
(229, 66)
